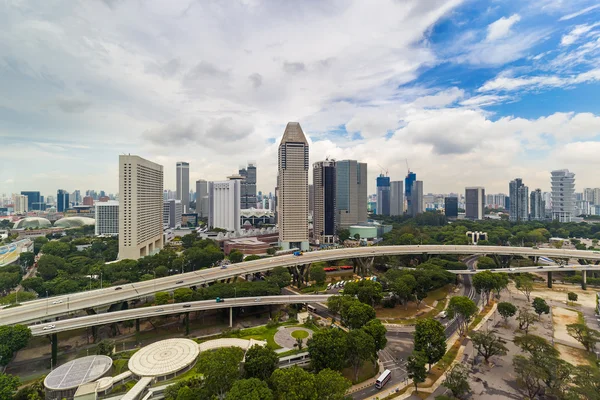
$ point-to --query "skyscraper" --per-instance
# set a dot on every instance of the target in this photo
(141, 207)
(351, 193)
(183, 184)
(107, 218)
(519, 201)
(292, 188)
(474, 202)
(537, 206)
(416, 199)
(33, 200)
(248, 186)
(20, 203)
(324, 215)
(202, 198)
(397, 198)
(383, 195)
(563, 195)
(62, 200)
(224, 198)
(408, 183)
(451, 207)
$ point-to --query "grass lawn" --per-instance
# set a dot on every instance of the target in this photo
(366, 371)
(401, 316)
(300, 334)
(259, 333)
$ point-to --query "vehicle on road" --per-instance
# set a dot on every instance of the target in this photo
(383, 379)
(224, 266)
(178, 282)
(47, 327)
(160, 310)
(298, 253)
(57, 301)
(187, 305)
(443, 314)
(540, 267)
(535, 248)
(512, 269)
(562, 266)
(220, 300)
(118, 288)
(257, 299)
(311, 309)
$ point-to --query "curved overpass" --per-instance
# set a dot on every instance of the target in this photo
(55, 306)
(167, 309)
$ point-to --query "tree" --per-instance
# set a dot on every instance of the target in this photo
(49, 265)
(236, 256)
(35, 283)
(293, 384)
(56, 248)
(317, 274)
(377, 331)
(260, 362)
(280, 276)
(529, 375)
(484, 282)
(327, 349)
(488, 344)
(299, 343)
(524, 284)
(252, 257)
(188, 240)
(331, 385)
(361, 347)
(457, 380)
(249, 389)
(12, 339)
(583, 334)
(185, 393)
(357, 236)
(535, 345)
(506, 310)
(403, 288)
(540, 306)
(587, 382)
(430, 339)
(38, 243)
(220, 369)
(357, 314)
(343, 234)
(367, 291)
(161, 298)
(485, 262)
(161, 271)
(525, 319)
(463, 308)
(571, 296)
(105, 347)
(8, 386)
(27, 259)
(183, 295)
(415, 367)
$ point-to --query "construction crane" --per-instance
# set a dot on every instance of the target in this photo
(407, 167)
(383, 170)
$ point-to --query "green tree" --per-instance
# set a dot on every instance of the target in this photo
(220, 369)
(415, 367)
(457, 380)
(260, 362)
(343, 235)
(236, 256)
(524, 284)
(525, 319)
(105, 347)
(583, 334)
(183, 295)
(249, 389)
(357, 314)
(367, 291)
(189, 240)
(15, 337)
(327, 349)
(26, 259)
(6, 354)
(35, 283)
(49, 265)
(161, 298)
(55, 248)
(535, 345)
(8, 386)
(293, 384)
(404, 288)
(485, 282)
(279, 276)
(485, 262)
(377, 331)
(38, 243)
(540, 306)
(488, 344)
(317, 274)
(430, 339)
(506, 310)
(586, 382)
(529, 375)
(252, 257)
(185, 393)
(331, 385)
(361, 348)
(462, 308)
(161, 271)
(572, 297)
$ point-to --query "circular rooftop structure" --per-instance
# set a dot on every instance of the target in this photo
(74, 222)
(32, 222)
(164, 359)
(69, 376)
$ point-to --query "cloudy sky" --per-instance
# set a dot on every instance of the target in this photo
(470, 92)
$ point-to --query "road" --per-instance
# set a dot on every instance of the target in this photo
(43, 308)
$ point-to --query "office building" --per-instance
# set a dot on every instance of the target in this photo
(397, 198)
(33, 200)
(519, 201)
(202, 198)
(474, 202)
(183, 184)
(88, 201)
(62, 200)
(536, 205)
(383, 195)
(451, 207)
(311, 199)
(107, 218)
(224, 198)
(416, 199)
(351, 193)
(172, 212)
(563, 195)
(20, 203)
(591, 195)
(408, 184)
(324, 216)
(248, 188)
(76, 197)
(141, 207)
(495, 201)
(292, 189)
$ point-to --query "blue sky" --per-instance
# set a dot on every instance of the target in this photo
(472, 93)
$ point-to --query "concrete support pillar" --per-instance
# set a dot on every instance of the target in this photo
(54, 344)
(231, 317)
(550, 279)
(137, 325)
(94, 333)
(584, 279)
(187, 323)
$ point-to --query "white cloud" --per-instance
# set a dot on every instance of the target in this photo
(501, 28)
(576, 33)
(483, 100)
(578, 13)
(506, 83)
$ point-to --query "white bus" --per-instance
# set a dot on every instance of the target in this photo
(311, 309)
(383, 379)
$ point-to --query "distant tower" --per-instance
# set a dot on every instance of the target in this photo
(474, 202)
(563, 195)
(416, 199)
(397, 198)
(202, 198)
(183, 184)
(292, 188)
(408, 184)
(324, 213)
(62, 200)
(519, 201)
(537, 206)
(383, 195)
(248, 199)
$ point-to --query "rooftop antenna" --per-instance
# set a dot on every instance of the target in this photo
(407, 167)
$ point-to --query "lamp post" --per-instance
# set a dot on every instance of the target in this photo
(46, 302)
(100, 279)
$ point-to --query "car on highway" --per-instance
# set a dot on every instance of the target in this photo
(512, 269)
(160, 310)
(443, 314)
(223, 266)
(187, 305)
(118, 288)
(562, 266)
(57, 301)
(220, 300)
(540, 267)
(256, 300)
(47, 327)
(178, 282)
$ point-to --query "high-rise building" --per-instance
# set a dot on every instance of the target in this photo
(324, 215)
(408, 184)
(416, 199)
(248, 186)
(76, 197)
(88, 201)
(224, 200)
(396, 198)
(351, 193)
(20, 203)
(33, 200)
(202, 198)
(172, 211)
(141, 207)
(537, 207)
(563, 195)
(292, 189)
(311, 199)
(519, 201)
(474, 202)
(383, 195)
(183, 184)
(62, 200)
(451, 207)
(107, 218)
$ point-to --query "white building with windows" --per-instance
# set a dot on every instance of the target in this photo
(172, 211)
(107, 218)
(224, 204)
(20, 203)
(563, 195)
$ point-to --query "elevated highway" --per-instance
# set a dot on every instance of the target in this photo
(55, 306)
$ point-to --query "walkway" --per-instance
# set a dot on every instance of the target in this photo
(283, 336)
(231, 342)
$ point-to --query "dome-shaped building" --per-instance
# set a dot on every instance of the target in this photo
(32, 222)
(74, 222)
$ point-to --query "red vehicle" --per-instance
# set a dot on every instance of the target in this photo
(346, 267)
(329, 269)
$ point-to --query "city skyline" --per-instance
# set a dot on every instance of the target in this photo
(464, 83)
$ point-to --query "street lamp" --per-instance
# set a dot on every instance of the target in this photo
(46, 302)
(100, 279)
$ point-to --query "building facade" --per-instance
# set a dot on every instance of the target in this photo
(519, 201)
(34, 200)
(202, 198)
(351, 193)
(563, 195)
(537, 206)
(474, 202)
(141, 207)
(183, 184)
(451, 207)
(416, 199)
(20, 204)
(408, 184)
(324, 216)
(172, 213)
(383, 195)
(292, 188)
(248, 187)
(396, 198)
(62, 200)
(224, 198)
(107, 218)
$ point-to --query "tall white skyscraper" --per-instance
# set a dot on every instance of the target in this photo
(396, 198)
(183, 184)
(292, 189)
(107, 218)
(202, 198)
(474, 202)
(351, 193)
(224, 200)
(141, 207)
(563, 195)
(416, 199)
